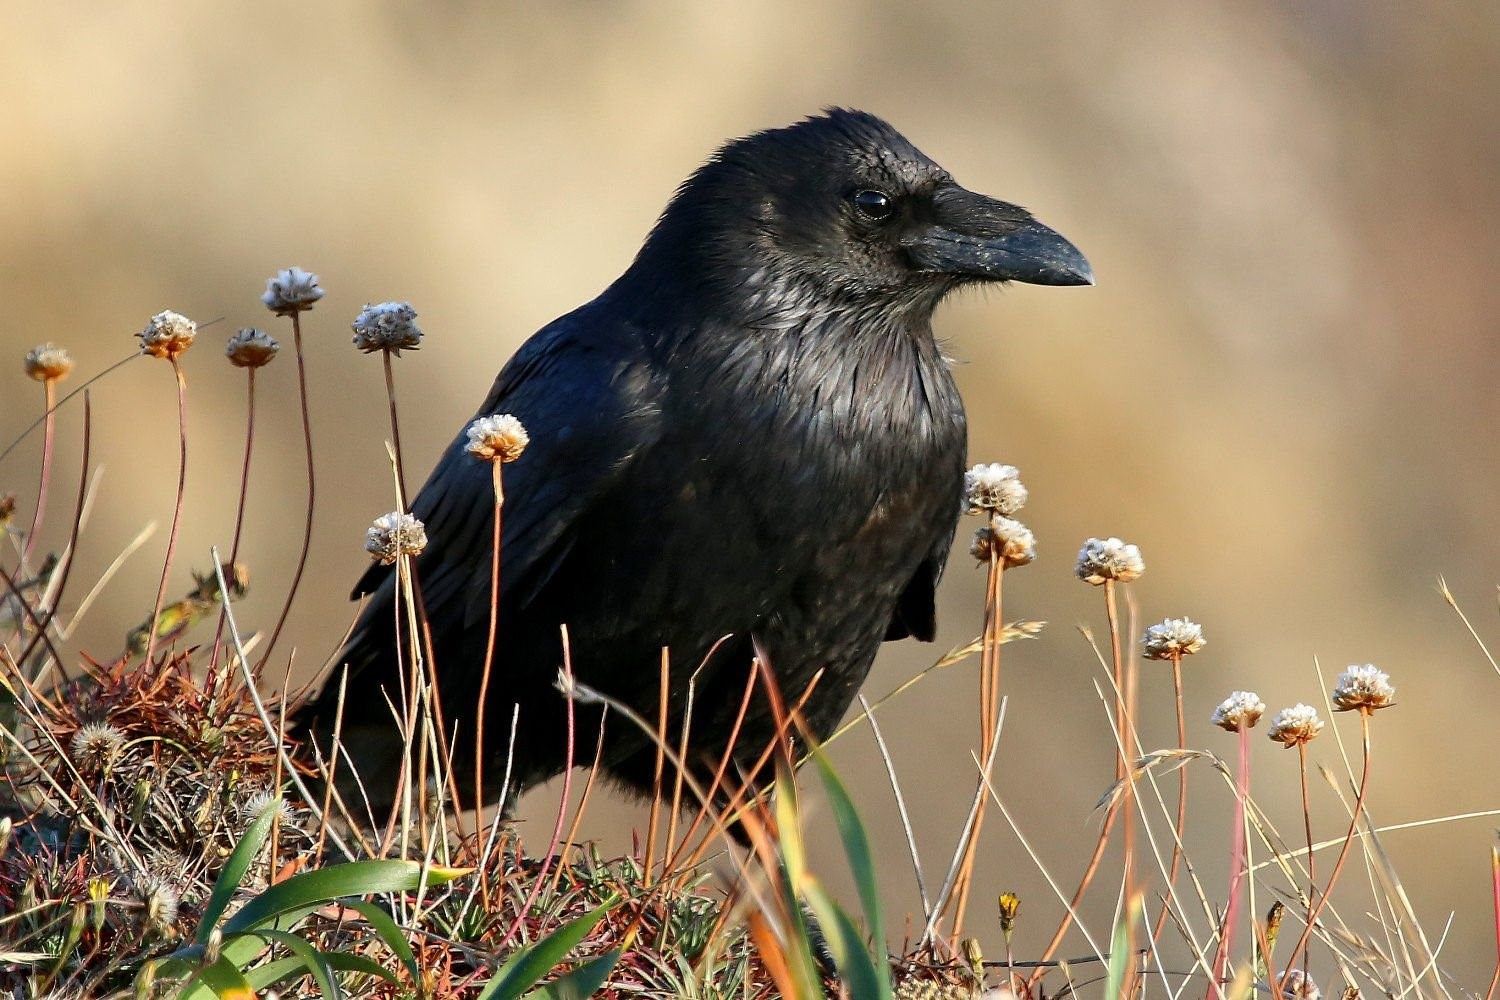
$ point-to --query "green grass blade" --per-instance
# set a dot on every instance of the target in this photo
(238, 951)
(391, 933)
(856, 848)
(1119, 949)
(311, 958)
(235, 868)
(272, 973)
(323, 885)
(864, 976)
(525, 969)
(223, 980)
(582, 982)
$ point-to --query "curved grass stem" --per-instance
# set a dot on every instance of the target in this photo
(312, 491)
(182, 454)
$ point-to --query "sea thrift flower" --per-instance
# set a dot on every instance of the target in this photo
(1298, 985)
(1172, 637)
(1241, 710)
(994, 488)
(1365, 688)
(499, 438)
(159, 900)
(261, 800)
(393, 535)
(96, 744)
(1016, 544)
(291, 290)
(387, 326)
(167, 335)
(1103, 559)
(251, 348)
(48, 362)
(1296, 725)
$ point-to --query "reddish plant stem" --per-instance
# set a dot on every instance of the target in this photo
(312, 491)
(390, 393)
(239, 514)
(166, 569)
(1236, 866)
(1316, 906)
(489, 663)
(663, 678)
(49, 388)
(1312, 872)
(1182, 791)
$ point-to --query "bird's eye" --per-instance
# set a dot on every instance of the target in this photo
(875, 205)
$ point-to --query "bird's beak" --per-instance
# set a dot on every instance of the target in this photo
(974, 236)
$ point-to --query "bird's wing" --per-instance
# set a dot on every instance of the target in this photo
(916, 609)
(582, 388)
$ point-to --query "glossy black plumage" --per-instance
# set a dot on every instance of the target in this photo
(752, 433)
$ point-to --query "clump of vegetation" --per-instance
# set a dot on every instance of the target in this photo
(160, 835)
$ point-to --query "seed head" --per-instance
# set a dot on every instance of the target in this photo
(1009, 539)
(291, 290)
(251, 348)
(48, 362)
(1103, 559)
(393, 535)
(994, 488)
(167, 335)
(1241, 710)
(1363, 688)
(499, 438)
(159, 900)
(259, 801)
(1296, 725)
(1172, 637)
(96, 744)
(1298, 985)
(387, 326)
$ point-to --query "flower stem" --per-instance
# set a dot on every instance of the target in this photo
(49, 388)
(1315, 907)
(312, 491)
(166, 569)
(239, 519)
(1182, 792)
(1236, 866)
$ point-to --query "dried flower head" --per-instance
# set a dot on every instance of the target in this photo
(1363, 688)
(1298, 985)
(994, 488)
(1241, 710)
(1296, 725)
(259, 801)
(1008, 539)
(291, 290)
(387, 326)
(167, 335)
(96, 744)
(393, 535)
(1103, 559)
(251, 348)
(1172, 637)
(498, 438)
(48, 362)
(159, 900)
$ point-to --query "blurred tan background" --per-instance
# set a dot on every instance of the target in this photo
(1283, 388)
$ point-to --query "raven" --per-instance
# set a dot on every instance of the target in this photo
(748, 445)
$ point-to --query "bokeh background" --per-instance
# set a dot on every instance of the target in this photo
(1283, 388)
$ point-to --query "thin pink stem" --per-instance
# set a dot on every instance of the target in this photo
(489, 657)
(166, 569)
(1236, 866)
(50, 389)
(1182, 792)
(1316, 907)
(239, 513)
(1312, 871)
(312, 492)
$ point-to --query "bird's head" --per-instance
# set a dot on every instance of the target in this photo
(842, 205)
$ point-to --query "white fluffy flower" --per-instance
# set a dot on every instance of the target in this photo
(1298, 985)
(1363, 688)
(1172, 637)
(498, 438)
(1296, 725)
(1016, 544)
(291, 290)
(387, 326)
(48, 362)
(167, 335)
(393, 535)
(994, 488)
(96, 744)
(251, 348)
(1103, 559)
(1241, 710)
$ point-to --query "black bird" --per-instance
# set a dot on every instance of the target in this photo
(752, 433)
